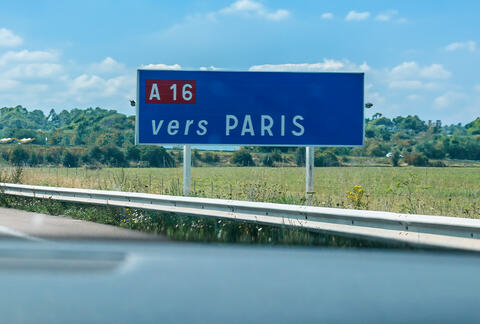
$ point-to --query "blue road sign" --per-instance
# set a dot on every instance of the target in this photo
(249, 108)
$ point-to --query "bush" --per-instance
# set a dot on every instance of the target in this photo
(276, 156)
(133, 154)
(158, 157)
(438, 164)
(114, 157)
(377, 149)
(326, 159)
(300, 156)
(395, 158)
(34, 159)
(267, 160)
(70, 160)
(95, 154)
(18, 156)
(210, 158)
(416, 159)
(54, 156)
(242, 158)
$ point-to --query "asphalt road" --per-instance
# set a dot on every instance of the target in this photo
(131, 281)
(35, 226)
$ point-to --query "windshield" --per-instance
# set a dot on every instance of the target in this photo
(321, 127)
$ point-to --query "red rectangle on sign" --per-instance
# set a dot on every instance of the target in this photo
(170, 92)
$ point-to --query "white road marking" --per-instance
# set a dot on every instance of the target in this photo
(11, 232)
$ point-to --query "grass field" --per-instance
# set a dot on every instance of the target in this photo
(433, 191)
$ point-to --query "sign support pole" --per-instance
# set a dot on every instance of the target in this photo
(309, 164)
(187, 167)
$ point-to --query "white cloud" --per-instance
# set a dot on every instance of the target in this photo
(357, 16)
(468, 46)
(26, 56)
(249, 8)
(33, 71)
(412, 85)
(414, 97)
(375, 98)
(108, 65)
(435, 71)
(327, 15)
(209, 68)
(328, 65)
(161, 66)
(390, 16)
(87, 88)
(9, 39)
(6, 84)
(477, 87)
(448, 99)
(413, 70)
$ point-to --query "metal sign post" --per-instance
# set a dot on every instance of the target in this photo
(187, 167)
(309, 167)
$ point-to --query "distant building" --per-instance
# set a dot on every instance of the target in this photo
(438, 123)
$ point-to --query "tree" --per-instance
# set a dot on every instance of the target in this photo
(326, 159)
(416, 159)
(114, 157)
(242, 158)
(395, 158)
(158, 157)
(377, 149)
(210, 158)
(300, 156)
(34, 159)
(18, 156)
(95, 154)
(133, 154)
(267, 160)
(276, 156)
(473, 128)
(370, 132)
(413, 123)
(70, 160)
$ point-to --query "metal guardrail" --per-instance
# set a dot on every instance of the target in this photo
(415, 230)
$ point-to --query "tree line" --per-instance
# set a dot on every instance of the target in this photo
(97, 136)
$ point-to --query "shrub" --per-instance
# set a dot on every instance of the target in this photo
(416, 159)
(377, 149)
(242, 158)
(95, 154)
(326, 159)
(54, 156)
(267, 160)
(70, 160)
(114, 157)
(395, 158)
(438, 164)
(210, 158)
(18, 156)
(276, 156)
(300, 156)
(133, 154)
(158, 157)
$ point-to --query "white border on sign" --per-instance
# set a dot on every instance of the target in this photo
(137, 103)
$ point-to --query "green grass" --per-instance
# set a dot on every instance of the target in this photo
(431, 191)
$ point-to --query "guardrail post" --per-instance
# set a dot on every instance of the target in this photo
(309, 164)
(187, 166)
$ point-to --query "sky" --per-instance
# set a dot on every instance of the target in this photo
(419, 57)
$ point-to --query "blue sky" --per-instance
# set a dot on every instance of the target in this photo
(419, 57)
